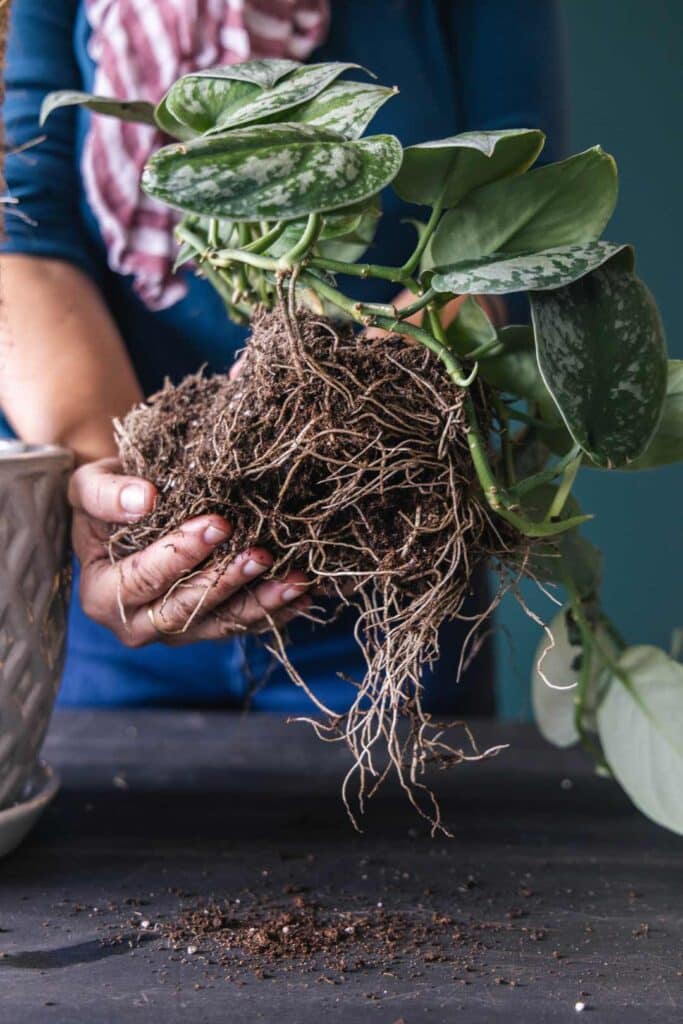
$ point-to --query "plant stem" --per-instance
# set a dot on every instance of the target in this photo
(364, 270)
(423, 241)
(308, 239)
(564, 490)
(545, 476)
(267, 238)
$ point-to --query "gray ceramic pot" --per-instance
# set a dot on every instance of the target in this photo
(35, 581)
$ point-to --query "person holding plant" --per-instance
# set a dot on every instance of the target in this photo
(94, 318)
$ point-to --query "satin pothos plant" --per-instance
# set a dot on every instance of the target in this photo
(275, 177)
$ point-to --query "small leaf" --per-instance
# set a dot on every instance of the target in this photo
(350, 246)
(515, 371)
(464, 162)
(470, 328)
(271, 172)
(336, 224)
(137, 111)
(344, 107)
(561, 204)
(501, 274)
(567, 557)
(641, 731)
(601, 354)
(667, 444)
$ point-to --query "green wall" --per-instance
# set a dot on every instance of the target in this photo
(625, 65)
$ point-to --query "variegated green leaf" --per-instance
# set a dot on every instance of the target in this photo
(264, 72)
(667, 444)
(211, 103)
(640, 722)
(125, 110)
(499, 274)
(194, 102)
(198, 102)
(464, 162)
(562, 204)
(343, 107)
(601, 353)
(271, 172)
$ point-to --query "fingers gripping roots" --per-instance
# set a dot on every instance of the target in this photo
(347, 458)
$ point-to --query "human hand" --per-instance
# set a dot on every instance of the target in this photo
(207, 604)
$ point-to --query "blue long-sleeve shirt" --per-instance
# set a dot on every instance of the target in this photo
(459, 65)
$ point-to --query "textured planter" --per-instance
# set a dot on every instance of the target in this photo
(35, 579)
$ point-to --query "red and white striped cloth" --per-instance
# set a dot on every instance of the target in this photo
(139, 48)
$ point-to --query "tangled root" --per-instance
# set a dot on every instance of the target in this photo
(347, 458)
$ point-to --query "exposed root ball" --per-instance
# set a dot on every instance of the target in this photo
(347, 458)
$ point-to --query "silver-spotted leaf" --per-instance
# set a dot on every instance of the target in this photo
(274, 104)
(500, 274)
(464, 162)
(601, 353)
(343, 107)
(271, 172)
(641, 731)
(138, 111)
(565, 203)
(195, 101)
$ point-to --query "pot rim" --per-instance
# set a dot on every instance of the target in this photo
(22, 452)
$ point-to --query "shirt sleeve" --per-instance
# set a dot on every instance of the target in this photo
(42, 178)
(510, 67)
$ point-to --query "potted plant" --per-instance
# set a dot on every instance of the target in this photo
(390, 468)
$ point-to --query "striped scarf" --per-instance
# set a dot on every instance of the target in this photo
(139, 48)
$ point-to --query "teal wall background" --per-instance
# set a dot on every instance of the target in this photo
(625, 66)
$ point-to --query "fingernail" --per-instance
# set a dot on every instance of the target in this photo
(133, 499)
(252, 568)
(214, 535)
(291, 593)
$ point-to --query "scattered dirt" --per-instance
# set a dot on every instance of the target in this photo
(306, 935)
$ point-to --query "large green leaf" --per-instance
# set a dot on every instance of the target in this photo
(138, 111)
(641, 731)
(463, 162)
(271, 172)
(501, 274)
(343, 107)
(562, 204)
(667, 444)
(601, 354)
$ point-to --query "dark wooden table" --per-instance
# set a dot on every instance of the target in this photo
(570, 896)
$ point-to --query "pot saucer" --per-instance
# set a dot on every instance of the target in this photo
(17, 820)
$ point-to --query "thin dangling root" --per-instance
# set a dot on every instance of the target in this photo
(347, 458)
